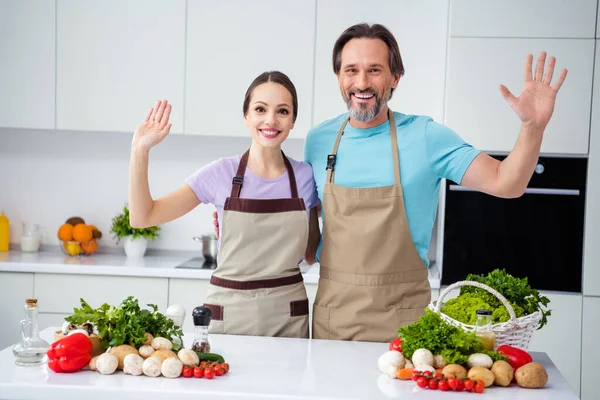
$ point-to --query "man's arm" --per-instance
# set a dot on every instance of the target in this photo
(534, 107)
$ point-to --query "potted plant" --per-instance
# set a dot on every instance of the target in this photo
(135, 239)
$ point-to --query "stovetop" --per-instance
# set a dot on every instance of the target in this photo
(198, 263)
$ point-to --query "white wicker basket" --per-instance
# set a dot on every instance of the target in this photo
(515, 332)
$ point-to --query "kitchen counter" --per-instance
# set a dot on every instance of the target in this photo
(117, 264)
(261, 368)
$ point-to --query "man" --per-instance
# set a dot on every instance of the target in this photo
(378, 175)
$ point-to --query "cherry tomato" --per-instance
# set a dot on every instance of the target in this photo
(443, 385)
(415, 375)
(187, 371)
(209, 373)
(396, 345)
(479, 386)
(225, 367)
(439, 375)
(469, 384)
(218, 370)
(422, 382)
(203, 364)
(460, 385)
(452, 383)
(433, 384)
(427, 373)
(198, 372)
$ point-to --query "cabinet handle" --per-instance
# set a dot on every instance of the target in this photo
(557, 192)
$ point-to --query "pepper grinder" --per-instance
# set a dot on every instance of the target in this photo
(202, 317)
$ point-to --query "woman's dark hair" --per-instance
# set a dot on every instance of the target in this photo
(366, 31)
(275, 77)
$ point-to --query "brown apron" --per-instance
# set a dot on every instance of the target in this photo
(257, 288)
(372, 279)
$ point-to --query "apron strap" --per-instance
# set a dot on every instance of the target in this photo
(238, 179)
(396, 161)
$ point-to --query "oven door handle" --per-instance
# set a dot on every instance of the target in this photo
(556, 192)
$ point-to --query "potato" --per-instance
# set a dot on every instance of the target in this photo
(482, 373)
(121, 351)
(503, 373)
(162, 355)
(532, 375)
(454, 371)
(188, 357)
(149, 339)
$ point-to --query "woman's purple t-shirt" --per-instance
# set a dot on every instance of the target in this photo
(212, 184)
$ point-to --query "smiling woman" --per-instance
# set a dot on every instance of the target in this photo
(267, 205)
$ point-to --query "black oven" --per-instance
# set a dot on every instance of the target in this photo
(538, 235)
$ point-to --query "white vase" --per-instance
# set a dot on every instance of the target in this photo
(135, 248)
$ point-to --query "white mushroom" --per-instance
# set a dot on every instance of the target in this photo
(65, 327)
(423, 368)
(107, 363)
(132, 364)
(171, 368)
(161, 343)
(92, 363)
(408, 364)
(422, 357)
(188, 357)
(390, 362)
(146, 351)
(86, 333)
(480, 360)
(151, 367)
(438, 361)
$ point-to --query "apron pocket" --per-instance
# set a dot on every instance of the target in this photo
(298, 308)
(216, 311)
(407, 316)
(321, 322)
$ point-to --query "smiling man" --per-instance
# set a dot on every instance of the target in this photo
(378, 176)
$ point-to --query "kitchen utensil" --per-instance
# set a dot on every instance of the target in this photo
(209, 246)
(31, 237)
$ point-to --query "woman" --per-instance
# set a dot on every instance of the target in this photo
(267, 203)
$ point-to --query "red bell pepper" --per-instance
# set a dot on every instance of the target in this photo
(516, 357)
(70, 353)
(396, 345)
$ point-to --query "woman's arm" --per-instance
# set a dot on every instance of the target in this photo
(143, 210)
(314, 236)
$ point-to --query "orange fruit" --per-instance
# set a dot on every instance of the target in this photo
(90, 247)
(82, 233)
(65, 232)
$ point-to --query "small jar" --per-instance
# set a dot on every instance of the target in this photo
(202, 317)
(483, 329)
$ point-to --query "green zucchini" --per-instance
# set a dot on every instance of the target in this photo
(211, 357)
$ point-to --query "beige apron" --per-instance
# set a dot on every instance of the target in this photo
(257, 288)
(372, 279)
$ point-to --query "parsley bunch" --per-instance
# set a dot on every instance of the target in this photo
(127, 323)
(517, 291)
(434, 334)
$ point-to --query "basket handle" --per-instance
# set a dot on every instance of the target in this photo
(455, 285)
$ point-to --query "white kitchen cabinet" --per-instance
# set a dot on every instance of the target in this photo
(523, 19)
(561, 337)
(14, 289)
(115, 59)
(590, 353)
(189, 293)
(27, 51)
(591, 264)
(476, 110)
(420, 29)
(60, 293)
(231, 42)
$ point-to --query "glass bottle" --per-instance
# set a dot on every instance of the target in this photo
(202, 316)
(483, 329)
(32, 349)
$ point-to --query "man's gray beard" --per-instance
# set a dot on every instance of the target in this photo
(364, 115)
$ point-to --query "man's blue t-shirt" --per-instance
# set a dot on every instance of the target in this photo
(428, 152)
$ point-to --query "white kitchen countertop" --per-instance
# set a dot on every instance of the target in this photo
(117, 264)
(261, 368)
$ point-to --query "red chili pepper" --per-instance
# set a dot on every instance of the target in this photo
(70, 353)
(516, 357)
